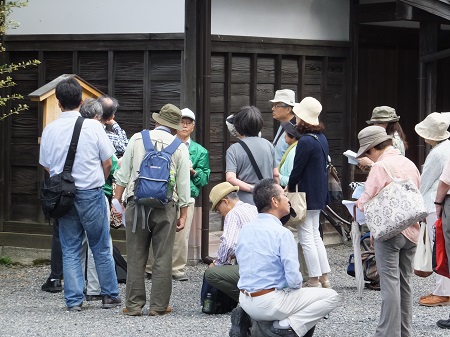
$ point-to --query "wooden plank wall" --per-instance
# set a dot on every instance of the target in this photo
(145, 75)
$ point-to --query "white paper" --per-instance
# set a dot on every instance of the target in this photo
(358, 191)
(119, 208)
(351, 157)
(359, 215)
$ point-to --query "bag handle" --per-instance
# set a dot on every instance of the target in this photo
(252, 159)
(70, 158)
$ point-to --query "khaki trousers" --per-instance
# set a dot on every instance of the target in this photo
(160, 231)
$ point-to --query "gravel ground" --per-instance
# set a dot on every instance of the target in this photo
(27, 311)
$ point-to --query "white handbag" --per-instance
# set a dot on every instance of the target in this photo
(298, 203)
(423, 265)
(396, 207)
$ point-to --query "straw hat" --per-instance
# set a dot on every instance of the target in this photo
(434, 127)
(369, 137)
(188, 113)
(308, 110)
(383, 114)
(286, 96)
(169, 116)
(220, 191)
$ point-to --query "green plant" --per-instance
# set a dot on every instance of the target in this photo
(6, 260)
(6, 81)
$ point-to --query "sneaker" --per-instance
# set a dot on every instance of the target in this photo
(180, 278)
(160, 313)
(52, 286)
(74, 308)
(108, 302)
(326, 284)
(127, 312)
(309, 285)
(444, 323)
(434, 301)
(94, 298)
(240, 323)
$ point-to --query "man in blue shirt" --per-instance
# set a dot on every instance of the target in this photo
(270, 281)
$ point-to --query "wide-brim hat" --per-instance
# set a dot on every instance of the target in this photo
(434, 127)
(188, 113)
(286, 96)
(308, 110)
(169, 116)
(383, 114)
(220, 191)
(369, 137)
(290, 128)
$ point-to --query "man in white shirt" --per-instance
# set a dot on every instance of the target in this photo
(91, 166)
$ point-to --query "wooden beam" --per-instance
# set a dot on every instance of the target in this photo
(435, 7)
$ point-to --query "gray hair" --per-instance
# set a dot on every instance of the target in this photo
(91, 108)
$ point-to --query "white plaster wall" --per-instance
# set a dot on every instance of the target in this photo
(297, 19)
(294, 19)
(99, 17)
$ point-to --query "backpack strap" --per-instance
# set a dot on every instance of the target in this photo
(70, 158)
(147, 140)
(252, 159)
(173, 146)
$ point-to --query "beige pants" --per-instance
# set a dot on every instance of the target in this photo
(180, 246)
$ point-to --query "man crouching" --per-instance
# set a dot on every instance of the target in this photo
(270, 281)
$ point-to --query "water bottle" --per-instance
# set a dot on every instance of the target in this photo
(209, 305)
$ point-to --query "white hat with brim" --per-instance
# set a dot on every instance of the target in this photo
(308, 110)
(220, 191)
(434, 127)
(370, 137)
(286, 96)
(169, 116)
(187, 113)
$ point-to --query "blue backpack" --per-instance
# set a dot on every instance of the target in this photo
(151, 185)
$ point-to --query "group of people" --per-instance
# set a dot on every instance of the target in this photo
(258, 259)
(382, 152)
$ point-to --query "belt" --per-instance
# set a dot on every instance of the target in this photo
(257, 293)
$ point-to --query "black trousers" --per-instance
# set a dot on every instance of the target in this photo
(56, 255)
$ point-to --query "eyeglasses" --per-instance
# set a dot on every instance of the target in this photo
(217, 207)
(277, 105)
(187, 122)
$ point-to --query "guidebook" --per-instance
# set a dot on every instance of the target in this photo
(351, 157)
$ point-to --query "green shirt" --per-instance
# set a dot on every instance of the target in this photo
(200, 163)
(107, 188)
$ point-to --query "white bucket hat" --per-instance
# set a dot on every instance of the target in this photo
(186, 112)
(434, 127)
(308, 110)
(286, 96)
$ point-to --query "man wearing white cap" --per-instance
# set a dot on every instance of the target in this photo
(282, 105)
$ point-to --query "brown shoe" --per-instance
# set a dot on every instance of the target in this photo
(127, 312)
(160, 313)
(426, 296)
(434, 301)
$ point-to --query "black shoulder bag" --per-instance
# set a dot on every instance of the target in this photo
(252, 159)
(58, 192)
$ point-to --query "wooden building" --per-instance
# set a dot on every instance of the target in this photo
(215, 74)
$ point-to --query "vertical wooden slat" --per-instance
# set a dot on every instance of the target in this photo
(277, 86)
(227, 105)
(146, 92)
(324, 88)
(253, 78)
(111, 74)
(41, 81)
(301, 78)
(75, 63)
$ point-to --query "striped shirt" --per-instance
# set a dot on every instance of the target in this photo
(241, 214)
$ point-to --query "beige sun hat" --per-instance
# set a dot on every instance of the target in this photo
(434, 127)
(369, 137)
(169, 116)
(383, 114)
(220, 191)
(308, 110)
(286, 96)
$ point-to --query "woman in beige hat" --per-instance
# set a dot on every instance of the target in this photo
(310, 174)
(433, 129)
(394, 256)
(386, 117)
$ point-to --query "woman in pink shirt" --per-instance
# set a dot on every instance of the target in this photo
(395, 255)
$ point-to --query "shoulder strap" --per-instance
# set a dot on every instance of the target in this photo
(283, 159)
(70, 158)
(327, 159)
(147, 140)
(252, 159)
(278, 136)
(173, 146)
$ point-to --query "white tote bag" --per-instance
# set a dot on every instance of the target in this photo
(396, 207)
(423, 265)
